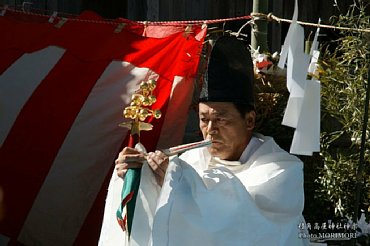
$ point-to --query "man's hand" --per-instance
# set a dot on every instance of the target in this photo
(128, 158)
(132, 158)
(158, 162)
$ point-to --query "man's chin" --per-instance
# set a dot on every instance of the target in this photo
(215, 152)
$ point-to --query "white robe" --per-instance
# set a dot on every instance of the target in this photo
(209, 202)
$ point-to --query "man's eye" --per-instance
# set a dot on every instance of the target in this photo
(222, 121)
(204, 119)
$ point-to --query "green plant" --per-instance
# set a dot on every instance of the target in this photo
(343, 73)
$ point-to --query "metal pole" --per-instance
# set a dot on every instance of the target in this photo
(259, 30)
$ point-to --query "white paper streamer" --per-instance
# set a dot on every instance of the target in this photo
(285, 48)
(306, 139)
(303, 107)
(298, 63)
(315, 43)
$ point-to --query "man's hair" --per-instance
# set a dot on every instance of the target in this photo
(243, 108)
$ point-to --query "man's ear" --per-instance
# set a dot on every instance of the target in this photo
(250, 119)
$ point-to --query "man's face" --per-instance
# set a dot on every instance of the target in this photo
(222, 123)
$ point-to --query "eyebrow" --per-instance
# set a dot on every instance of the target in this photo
(220, 113)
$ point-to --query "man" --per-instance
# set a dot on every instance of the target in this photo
(242, 190)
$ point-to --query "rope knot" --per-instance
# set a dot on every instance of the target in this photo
(270, 16)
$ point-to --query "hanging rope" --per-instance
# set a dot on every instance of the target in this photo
(271, 17)
(39, 12)
(253, 16)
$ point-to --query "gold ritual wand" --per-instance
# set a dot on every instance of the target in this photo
(138, 111)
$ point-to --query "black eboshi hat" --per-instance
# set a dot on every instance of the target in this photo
(229, 76)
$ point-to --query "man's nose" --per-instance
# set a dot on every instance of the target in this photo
(211, 128)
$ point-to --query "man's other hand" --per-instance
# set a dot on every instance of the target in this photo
(128, 158)
(158, 162)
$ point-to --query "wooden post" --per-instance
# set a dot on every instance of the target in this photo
(361, 165)
(259, 32)
(137, 10)
(275, 37)
(153, 10)
(52, 5)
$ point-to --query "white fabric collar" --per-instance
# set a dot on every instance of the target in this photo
(252, 146)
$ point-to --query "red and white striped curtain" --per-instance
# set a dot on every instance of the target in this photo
(63, 86)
